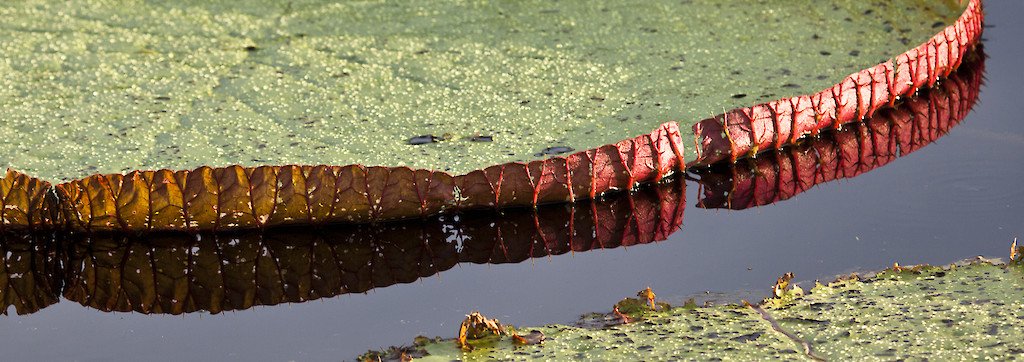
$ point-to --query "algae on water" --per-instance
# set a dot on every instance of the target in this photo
(969, 311)
(95, 86)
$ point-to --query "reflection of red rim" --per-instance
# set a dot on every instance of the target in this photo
(242, 198)
(178, 273)
(858, 148)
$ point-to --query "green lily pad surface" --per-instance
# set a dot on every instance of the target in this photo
(968, 311)
(111, 86)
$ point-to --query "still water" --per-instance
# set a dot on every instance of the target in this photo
(957, 198)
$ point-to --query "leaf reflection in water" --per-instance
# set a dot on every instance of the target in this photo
(857, 148)
(176, 273)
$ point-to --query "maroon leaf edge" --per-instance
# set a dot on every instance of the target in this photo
(236, 197)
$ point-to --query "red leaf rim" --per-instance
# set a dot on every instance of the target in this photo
(858, 148)
(240, 198)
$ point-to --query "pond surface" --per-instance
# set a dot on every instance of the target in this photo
(953, 199)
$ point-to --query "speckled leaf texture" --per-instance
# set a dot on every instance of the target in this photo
(968, 311)
(746, 131)
(257, 197)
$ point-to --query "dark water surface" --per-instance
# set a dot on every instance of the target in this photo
(953, 199)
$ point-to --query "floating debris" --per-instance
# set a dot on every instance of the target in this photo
(477, 326)
(481, 138)
(551, 151)
(429, 138)
(535, 337)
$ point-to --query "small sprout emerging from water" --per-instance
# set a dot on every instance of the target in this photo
(1016, 253)
(783, 288)
(782, 284)
(630, 310)
(649, 295)
(477, 326)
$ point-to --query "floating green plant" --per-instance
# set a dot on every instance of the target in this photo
(970, 310)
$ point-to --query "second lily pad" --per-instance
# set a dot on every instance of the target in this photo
(904, 313)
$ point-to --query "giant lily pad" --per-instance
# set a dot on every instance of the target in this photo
(107, 88)
(93, 87)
